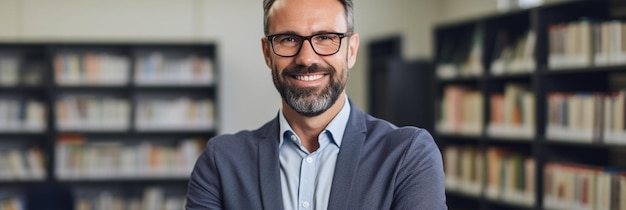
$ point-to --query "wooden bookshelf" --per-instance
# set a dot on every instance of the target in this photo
(546, 58)
(94, 91)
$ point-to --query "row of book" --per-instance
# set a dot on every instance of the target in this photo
(157, 69)
(178, 114)
(571, 116)
(22, 164)
(87, 112)
(460, 111)
(573, 44)
(22, 115)
(104, 69)
(575, 186)
(587, 117)
(91, 69)
(9, 66)
(512, 113)
(13, 72)
(81, 158)
(461, 57)
(152, 198)
(513, 54)
(501, 174)
(586, 43)
(12, 203)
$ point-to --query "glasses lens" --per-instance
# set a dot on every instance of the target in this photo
(326, 44)
(286, 45)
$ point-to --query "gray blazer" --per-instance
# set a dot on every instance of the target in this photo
(379, 166)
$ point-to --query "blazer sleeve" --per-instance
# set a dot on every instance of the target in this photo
(203, 191)
(420, 180)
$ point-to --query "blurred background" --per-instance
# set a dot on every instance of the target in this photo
(107, 104)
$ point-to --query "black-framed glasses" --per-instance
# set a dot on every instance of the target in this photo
(289, 45)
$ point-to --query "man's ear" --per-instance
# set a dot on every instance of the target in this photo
(353, 49)
(267, 51)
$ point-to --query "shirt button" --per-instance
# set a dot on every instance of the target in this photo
(309, 160)
(293, 137)
(306, 204)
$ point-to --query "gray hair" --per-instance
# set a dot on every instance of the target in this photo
(347, 5)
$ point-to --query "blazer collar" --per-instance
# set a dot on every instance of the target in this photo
(345, 169)
(269, 166)
(347, 160)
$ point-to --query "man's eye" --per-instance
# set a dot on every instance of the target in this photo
(288, 39)
(325, 37)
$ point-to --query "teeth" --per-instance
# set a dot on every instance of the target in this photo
(309, 77)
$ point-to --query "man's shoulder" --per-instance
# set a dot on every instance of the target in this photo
(382, 129)
(243, 137)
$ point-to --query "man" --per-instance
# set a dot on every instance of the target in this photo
(320, 152)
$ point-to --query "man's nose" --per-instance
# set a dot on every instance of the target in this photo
(307, 55)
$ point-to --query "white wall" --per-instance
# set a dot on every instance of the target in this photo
(375, 19)
(247, 95)
(452, 10)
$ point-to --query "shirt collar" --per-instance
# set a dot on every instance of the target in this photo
(335, 128)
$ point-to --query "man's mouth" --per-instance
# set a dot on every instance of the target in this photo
(309, 77)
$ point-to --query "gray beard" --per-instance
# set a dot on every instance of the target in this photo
(306, 101)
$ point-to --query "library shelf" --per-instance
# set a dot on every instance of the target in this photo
(175, 88)
(510, 140)
(173, 178)
(135, 133)
(501, 204)
(458, 137)
(510, 76)
(144, 181)
(460, 80)
(91, 94)
(462, 194)
(570, 100)
(94, 89)
(21, 134)
(22, 89)
(580, 144)
(22, 182)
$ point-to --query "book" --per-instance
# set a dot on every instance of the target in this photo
(158, 68)
(9, 70)
(91, 112)
(574, 116)
(91, 69)
(181, 113)
(578, 186)
(23, 115)
(81, 158)
(21, 163)
(570, 44)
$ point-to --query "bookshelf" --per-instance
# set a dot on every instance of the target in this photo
(537, 112)
(103, 125)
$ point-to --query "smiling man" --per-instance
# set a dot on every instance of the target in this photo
(320, 152)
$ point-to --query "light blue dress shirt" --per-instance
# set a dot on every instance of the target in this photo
(305, 177)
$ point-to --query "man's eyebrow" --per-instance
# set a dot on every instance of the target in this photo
(288, 32)
(316, 32)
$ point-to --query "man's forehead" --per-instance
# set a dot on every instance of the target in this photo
(315, 15)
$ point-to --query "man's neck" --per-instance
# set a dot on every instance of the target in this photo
(309, 128)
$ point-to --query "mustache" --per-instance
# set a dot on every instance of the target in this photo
(300, 69)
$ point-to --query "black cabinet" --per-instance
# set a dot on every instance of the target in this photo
(85, 124)
(529, 108)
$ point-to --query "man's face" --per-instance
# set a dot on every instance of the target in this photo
(310, 83)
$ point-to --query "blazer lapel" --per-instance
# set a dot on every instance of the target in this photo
(347, 160)
(269, 167)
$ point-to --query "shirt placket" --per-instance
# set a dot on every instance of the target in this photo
(307, 182)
